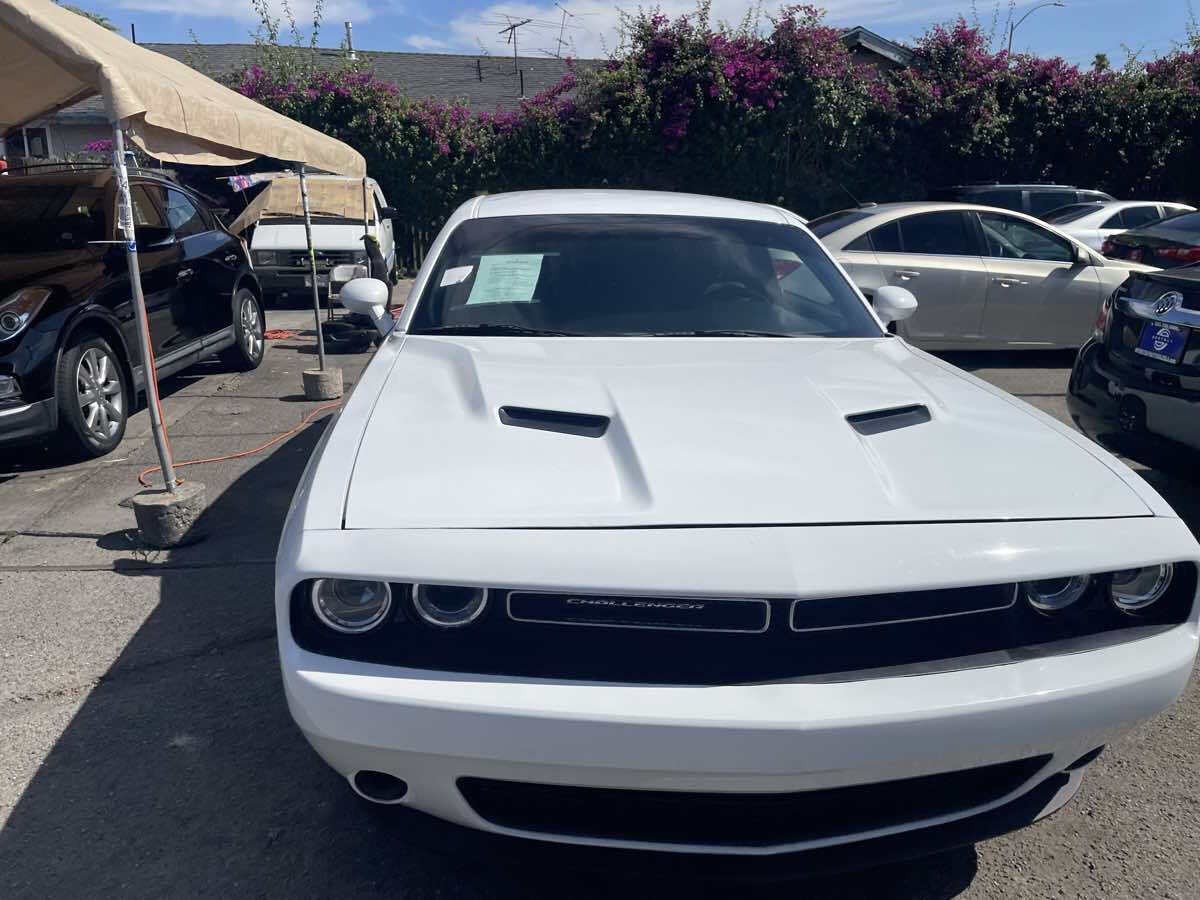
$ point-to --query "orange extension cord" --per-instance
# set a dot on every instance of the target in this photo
(144, 481)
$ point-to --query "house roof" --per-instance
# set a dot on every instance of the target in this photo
(485, 82)
(876, 43)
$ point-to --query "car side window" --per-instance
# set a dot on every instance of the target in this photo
(1139, 215)
(148, 223)
(185, 219)
(1006, 199)
(860, 244)
(941, 233)
(1044, 201)
(1007, 237)
(886, 238)
(1116, 220)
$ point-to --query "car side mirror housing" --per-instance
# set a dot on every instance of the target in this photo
(368, 297)
(390, 212)
(893, 304)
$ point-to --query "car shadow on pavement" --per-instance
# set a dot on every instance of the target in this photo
(182, 774)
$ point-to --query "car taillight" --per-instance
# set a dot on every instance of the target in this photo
(1180, 254)
(1100, 329)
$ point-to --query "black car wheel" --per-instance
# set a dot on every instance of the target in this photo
(92, 396)
(249, 345)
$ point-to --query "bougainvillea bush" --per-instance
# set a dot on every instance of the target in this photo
(777, 111)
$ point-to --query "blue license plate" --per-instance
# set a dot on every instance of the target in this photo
(1162, 341)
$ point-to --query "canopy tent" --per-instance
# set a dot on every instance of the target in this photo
(328, 195)
(51, 57)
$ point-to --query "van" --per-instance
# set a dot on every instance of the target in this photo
(1031, 199)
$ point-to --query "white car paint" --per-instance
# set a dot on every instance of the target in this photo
(1099, 225)
(729, 472)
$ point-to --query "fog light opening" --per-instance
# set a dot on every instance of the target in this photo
(379, 787)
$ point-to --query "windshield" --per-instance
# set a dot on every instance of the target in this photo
(39, 218)
(1070, 213)
(593, 275)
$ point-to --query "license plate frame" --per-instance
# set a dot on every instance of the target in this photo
(1163, 341)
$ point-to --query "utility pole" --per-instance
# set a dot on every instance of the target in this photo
(512, 36)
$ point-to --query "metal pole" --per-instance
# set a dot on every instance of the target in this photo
(150, 375)
(312, 267)
(366, 224)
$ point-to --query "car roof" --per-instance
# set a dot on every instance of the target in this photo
(618, 202)
(993, 185)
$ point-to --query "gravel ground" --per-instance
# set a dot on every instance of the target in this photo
(145, 749)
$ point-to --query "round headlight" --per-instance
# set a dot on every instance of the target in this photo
(447, 606)
(1134, 589)
(1052, 594)
(351, 607)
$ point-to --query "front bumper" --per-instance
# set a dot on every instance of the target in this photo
(1156, 425)
(433, 729)
(27, 421)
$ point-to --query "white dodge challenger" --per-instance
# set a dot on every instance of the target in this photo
(641, 530)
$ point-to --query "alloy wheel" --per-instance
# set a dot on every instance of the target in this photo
(252, 330)
(101, 399)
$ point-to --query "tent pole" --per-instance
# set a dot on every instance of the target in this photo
(150, 374)
(312, 267)
(367, 225)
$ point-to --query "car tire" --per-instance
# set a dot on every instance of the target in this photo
(249, 344)
(93, 396)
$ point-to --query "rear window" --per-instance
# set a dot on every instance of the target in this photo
(831, 222)
(1185, 224)
(595, 275)
(1044, 201)
(40, 218)
(1070, 213)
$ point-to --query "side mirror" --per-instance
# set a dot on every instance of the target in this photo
(893, 304)
(368, 297)
(390, 212)
(1082, 256)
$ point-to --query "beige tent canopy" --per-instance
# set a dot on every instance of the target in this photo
(51, 58)
(328, 195)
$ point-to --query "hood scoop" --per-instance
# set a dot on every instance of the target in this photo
(878, 421)
(580, 424)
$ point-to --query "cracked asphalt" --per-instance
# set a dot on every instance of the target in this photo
(145, 748)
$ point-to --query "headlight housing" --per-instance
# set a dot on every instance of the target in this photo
(17, 310)
(1135, 589)
(1050, 595)
(351, 606)
(448, 606)
(266, 258)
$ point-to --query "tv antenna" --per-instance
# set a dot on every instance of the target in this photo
(511, 28)
(558, 45)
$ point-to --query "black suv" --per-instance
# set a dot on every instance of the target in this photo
(1135, 386)
(69, 359)
(1031, 199)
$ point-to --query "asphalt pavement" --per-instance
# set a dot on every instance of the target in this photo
(145, 748)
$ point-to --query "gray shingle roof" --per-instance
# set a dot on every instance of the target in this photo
(485, 82)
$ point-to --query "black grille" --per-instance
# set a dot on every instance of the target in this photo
(326, 259)
(684, 817)
(495, 644)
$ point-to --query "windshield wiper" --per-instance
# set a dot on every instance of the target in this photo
(712, 332)
(486, 328)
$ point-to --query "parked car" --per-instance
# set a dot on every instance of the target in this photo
(1033, 199)
(985, 278)
(69, 359)
(1170, 242)
(279, 246)
(1135, 386)
(1094, 223)
(688, 553)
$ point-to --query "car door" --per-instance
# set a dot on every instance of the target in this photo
(935, 255)
(159, 256)
(211, 259)
(1038, 294)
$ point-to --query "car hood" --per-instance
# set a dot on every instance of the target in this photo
(74, 270)
(342, 236)
(717, 431)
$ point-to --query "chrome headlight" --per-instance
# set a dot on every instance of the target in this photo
(17, 310)
(448, 606)
(1053, 594)
(1135, 589)
(349, 606)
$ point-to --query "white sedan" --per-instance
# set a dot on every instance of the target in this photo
(1094, 223)
(640, 530)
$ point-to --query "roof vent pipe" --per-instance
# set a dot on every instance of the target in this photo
(350, 40)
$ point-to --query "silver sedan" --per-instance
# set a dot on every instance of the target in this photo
(985, 278)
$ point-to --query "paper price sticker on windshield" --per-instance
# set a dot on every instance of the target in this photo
(506, 278)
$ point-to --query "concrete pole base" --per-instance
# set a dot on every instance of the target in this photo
(322, 384)
(164, 518)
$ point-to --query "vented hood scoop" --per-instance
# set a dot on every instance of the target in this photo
(581, 424)
(877, 421)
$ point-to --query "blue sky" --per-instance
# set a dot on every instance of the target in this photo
(1077, 32)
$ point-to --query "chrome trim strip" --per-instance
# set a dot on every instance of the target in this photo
(969, 612)
(766, 621)
(15, 410)
(1144, 309)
